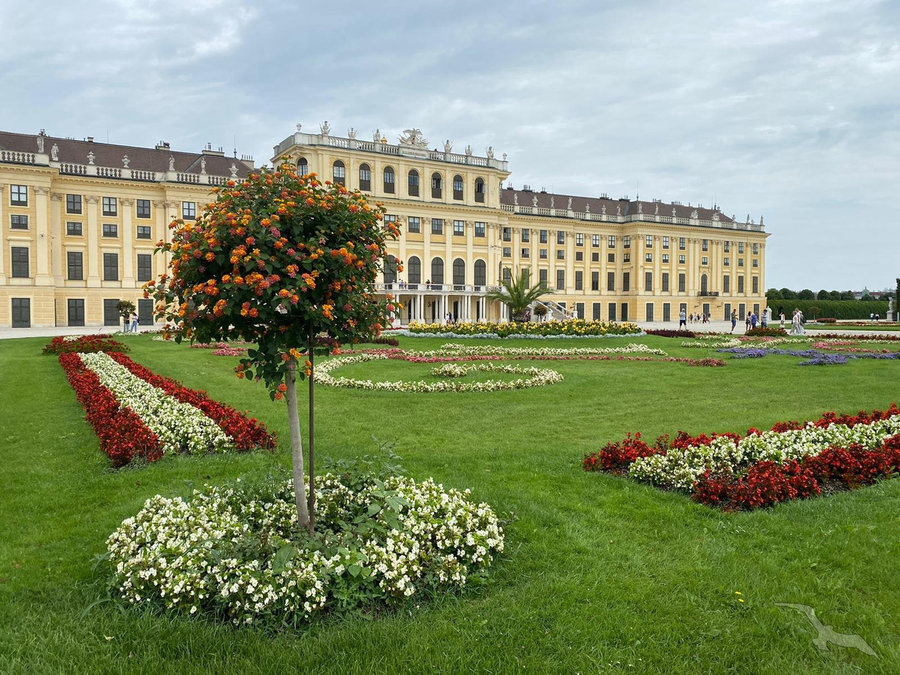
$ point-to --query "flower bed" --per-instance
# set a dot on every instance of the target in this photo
(71, 344)
(232, 554)
(571, 328)
(814, 357)
(145, 416)
(762, 468)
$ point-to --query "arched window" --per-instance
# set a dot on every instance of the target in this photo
(388, 180)
(414, 270)
(413, 183)
(437, 271)
(704, 284)
(302, 166)
(479, 190)
(457, 187)
(390, 270)
(437, 186)
(338, 172)
(480, 273)
(459, 273)
(365, 177)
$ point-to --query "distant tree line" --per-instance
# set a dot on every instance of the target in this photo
(830, 304)
(774, 294)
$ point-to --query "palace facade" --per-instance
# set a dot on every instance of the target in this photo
(79, 221)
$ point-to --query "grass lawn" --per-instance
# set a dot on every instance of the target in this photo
(880, 326)
(599, 573)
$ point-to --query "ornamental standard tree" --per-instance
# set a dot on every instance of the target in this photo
(278, 260)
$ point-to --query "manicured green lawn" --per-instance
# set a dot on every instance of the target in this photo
(882, 326)
(599, 573)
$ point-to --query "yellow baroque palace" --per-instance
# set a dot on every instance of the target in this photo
(79, 221)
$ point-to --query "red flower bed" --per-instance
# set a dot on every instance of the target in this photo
(247, 433)
(84, 344)
(123, 436)
(615, 457)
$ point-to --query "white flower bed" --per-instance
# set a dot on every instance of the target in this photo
(680, 468)
(535, 377)
(456, 349)
(230, 554)
(179, 426)
(450, 370)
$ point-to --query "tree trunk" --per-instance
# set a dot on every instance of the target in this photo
(312, 438)
(296, 450)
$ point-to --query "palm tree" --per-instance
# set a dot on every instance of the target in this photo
(518, 295)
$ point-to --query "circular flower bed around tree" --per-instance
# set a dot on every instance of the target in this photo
(234, 554)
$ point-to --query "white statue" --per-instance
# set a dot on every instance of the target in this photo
(656, 209)
(587, 208)
(40, 141)
(448, 146)
(618, 209)
(54, 153)
(90, 157)
(534, 200)
(603, 209)
(203, 165)
(640, 208)
(490, 152)
(468, 151)
(171, 163)
(694, 214)
(551, 202)
(516, 198)
(376, 135)
(299, 126)
(569, 205)
(351, 133)
(125, 161)
(504, 156)
(413, 137)
(233, 170)
(673, 211)
(325, 128)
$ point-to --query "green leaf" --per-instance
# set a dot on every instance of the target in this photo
(354, 570)
(374, 508)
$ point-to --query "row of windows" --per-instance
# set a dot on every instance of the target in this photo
(414, 225)
(75, 310)
(19, 257)
(339, 176)
(18, 196)
(110, 230)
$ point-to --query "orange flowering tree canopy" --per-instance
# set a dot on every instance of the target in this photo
(276, 260)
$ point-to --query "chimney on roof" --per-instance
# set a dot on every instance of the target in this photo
(90, 139)
(162, 145)
(526, 188)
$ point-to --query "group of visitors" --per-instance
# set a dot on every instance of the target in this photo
(131, 323)
(797, 322)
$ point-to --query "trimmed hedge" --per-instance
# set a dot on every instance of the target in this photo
(837, 309)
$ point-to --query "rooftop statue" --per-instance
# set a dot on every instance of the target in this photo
(412, 137)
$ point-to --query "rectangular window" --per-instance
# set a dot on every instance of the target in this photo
(543, 254)
(73, 204)
(648, 312)
(579, 280)
(626, 241)
(413, 224)
(595, 241)
(626, 282)
(726, 261)
(681, 259)
(110, 267)
(18, 195)
(626, 257)
(75, 311)
(144, 267)
(597, 311)
(755, 282)
(595, 256)
(19, 256)
(704, 260)
(579, 256)
(142, 209)
(740, 262)
(611, 241)
(595, 281)
(390, 218)
(506, 234)
(21, 312)
(75, 265)
(507, 251)
(648, 257)
(740, 247)
(526, 252)
(73, 229)
(612, 311)
(526, 235)
(648, 281)
(610, 281)
(579, 239)
(144, 232)
(611, 257)
(665, 242)
(704, 245)
(726, 246)
(560, 280)
(667, 312)
(543, 236)
(110, 230)
(682, 282)
(560, 237)
(18, 222)
(740, 284)
(459, 228)
(665, 257)
(145, 311)
(726, 284)
(665, 282)
(110, 312)
(480, 229)
(542, 278)
(682, 243)
(755, 249)
(560, 254)
(437, 226)
(110, 206)
(579, 310)
(755, 262)
(648, 241)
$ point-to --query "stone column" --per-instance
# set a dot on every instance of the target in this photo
(42, 234)
(56, 235)
(92, 242)
(2, 240)
(128, 256)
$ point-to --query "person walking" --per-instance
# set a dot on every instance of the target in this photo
(733, 319)
(135, 320)
(781, 319)
(682, 319)
(747, 322)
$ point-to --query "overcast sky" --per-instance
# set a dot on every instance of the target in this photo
(787, 109)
